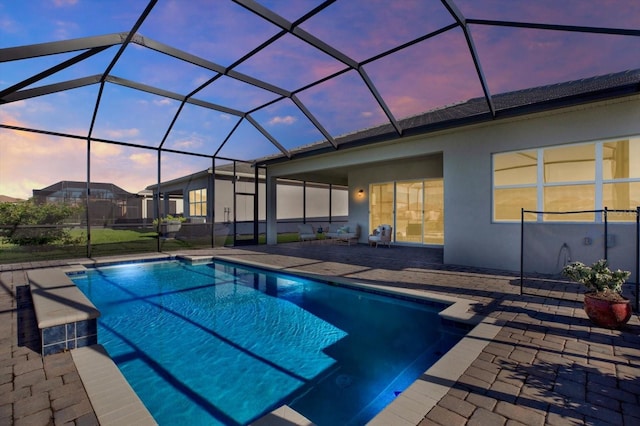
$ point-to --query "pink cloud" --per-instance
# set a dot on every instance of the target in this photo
(514, 59)
(287, 120)
(144, 158)
(32, 161)
(364, 28)
(119, 134)
(436, 72)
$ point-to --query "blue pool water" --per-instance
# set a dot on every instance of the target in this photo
(223, 344)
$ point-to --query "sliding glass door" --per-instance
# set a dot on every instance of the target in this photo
(434, 212)
(409, 211)
(381, 204)
(414, 208)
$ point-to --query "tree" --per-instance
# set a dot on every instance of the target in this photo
(28, 223)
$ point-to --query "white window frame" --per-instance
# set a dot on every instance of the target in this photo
(201, 203)
(540, 184)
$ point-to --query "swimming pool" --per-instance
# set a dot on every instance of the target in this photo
(220, 343)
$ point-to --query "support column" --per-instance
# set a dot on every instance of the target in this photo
(272, 210)
(165, 204)
(211, 194)
(156, 205)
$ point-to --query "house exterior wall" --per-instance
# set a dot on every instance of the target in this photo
(470, 236)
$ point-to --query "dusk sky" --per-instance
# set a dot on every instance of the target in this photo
(436, 72)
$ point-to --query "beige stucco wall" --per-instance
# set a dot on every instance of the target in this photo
(470, 236)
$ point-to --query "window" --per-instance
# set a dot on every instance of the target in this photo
(569, 176)
(508, 202)
(563, 198)
(621, 177)
(198, 202)
(515, 177)
(515, 168)
(569, 164)
(621, 159)
(588, 176)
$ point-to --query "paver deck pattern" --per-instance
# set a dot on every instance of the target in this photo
(548, 364)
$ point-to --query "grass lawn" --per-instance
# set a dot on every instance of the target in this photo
(107, 242)
(110, 236)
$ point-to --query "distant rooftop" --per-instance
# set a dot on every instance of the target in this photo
(81, 187)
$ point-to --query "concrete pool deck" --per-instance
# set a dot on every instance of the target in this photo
(546, 363)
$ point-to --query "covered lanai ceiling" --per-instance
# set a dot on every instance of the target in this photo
(242, 79)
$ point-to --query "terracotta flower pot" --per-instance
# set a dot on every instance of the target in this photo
(607, 313)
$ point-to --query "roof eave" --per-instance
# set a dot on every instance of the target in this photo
(518, 111)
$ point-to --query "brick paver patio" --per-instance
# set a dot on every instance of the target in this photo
(547, 365)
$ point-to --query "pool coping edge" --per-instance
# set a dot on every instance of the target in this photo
(113, 399)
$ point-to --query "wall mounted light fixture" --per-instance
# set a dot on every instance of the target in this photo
(361, 193)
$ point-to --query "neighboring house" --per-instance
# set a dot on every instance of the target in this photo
(235, 192)
(458, 177)
(108, 203)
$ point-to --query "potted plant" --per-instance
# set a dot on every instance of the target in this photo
(603, 301)
(170, 225)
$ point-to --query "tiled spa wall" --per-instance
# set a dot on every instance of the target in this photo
(69, 336)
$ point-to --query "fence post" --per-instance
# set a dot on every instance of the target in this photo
(606, 234)
(522, 248)
(637, 254)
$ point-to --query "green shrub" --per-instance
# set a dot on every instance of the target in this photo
(28, 223)
(170, 218)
